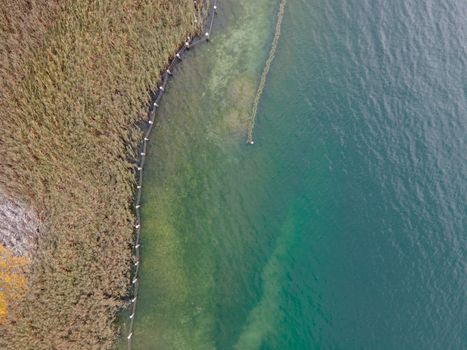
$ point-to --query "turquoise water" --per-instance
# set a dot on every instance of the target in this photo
(344, 226)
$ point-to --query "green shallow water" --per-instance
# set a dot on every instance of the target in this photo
(343, 226)
(193, 240)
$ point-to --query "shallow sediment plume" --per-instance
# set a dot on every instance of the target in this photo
(267, 68)
(211, 95)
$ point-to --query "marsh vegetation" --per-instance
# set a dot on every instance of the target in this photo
(74, 87)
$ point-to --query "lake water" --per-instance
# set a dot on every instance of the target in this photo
(344, 226)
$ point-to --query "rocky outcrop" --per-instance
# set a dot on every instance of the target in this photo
(19, 225)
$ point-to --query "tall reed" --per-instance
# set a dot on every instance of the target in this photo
(75, 77)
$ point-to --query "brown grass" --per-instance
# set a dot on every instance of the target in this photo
(74, 82)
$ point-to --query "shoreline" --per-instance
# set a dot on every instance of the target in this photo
(156, 96)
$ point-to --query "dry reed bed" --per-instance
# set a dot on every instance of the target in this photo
(74, 84)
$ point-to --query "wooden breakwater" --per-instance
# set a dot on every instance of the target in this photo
(267, 68)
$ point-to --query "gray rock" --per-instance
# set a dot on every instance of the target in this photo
(19, 225)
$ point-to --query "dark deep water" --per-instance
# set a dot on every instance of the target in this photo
(345, 225)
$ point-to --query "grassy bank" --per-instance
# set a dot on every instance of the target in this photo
(74, 84)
